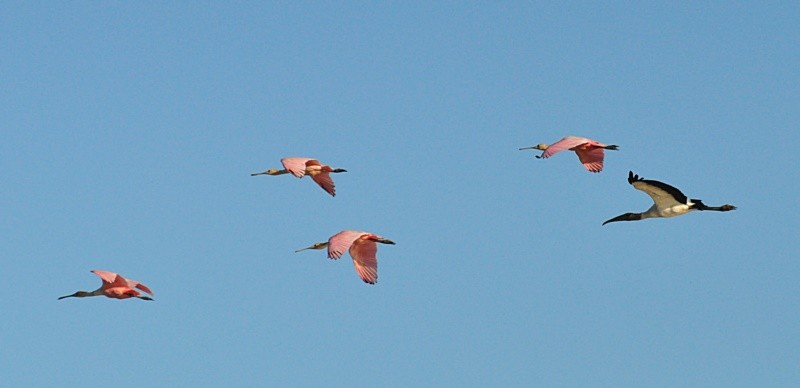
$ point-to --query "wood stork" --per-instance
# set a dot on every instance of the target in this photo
(668, 201)
(590, 152)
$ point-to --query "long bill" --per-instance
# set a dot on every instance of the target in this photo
(320, 245)
(626, 217)
(81, 294)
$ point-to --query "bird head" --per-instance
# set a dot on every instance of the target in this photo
(540, 147)
(320, 245)
(79, 294)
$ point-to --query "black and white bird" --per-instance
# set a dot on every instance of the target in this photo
(669, 201)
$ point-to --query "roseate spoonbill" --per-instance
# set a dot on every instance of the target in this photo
(668, 201)
(589, 151)
(362, 247)
(300, 167)
(114, 286)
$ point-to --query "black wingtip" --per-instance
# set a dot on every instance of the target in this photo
(633, 177)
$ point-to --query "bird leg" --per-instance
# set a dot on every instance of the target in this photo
(723, 208)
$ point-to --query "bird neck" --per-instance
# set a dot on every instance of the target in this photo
(98, 292)
(84, 294)
(651, 213)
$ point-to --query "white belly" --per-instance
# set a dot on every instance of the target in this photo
(673, 211)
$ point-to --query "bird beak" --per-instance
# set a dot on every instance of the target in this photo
(145, 298)
(66, 296)
(624, 217)
(527, 148)
(315, 246)
(386, 241)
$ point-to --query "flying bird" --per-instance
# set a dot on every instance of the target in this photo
(362, 247)
(668, 201)
(300, 167)
(114, 286)
(590, 152)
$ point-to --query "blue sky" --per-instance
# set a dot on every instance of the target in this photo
(130, 130)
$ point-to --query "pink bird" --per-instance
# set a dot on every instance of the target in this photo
(589, 151)
(300, 167)
(114, 286)
(362, 247)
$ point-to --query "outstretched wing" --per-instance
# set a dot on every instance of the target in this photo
(592, 158)
(364, 251)
(340, 242)
(563, 144)
(136, 284)
(662, 194)
(110, 278)
(296, 166)
(325, 181)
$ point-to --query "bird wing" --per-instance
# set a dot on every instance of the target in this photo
(563, 144)
(296, 166)
(136, 284)
(109, 277)
(592, 158)
(340, 242)
(325, 181)
(363, 252)
(662, 194)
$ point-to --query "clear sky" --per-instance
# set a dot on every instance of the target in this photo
(129, 130)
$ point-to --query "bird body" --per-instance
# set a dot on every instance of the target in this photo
(667, 201)
(114, 286)
(363, 249)
(590, 152)
(301, 167)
